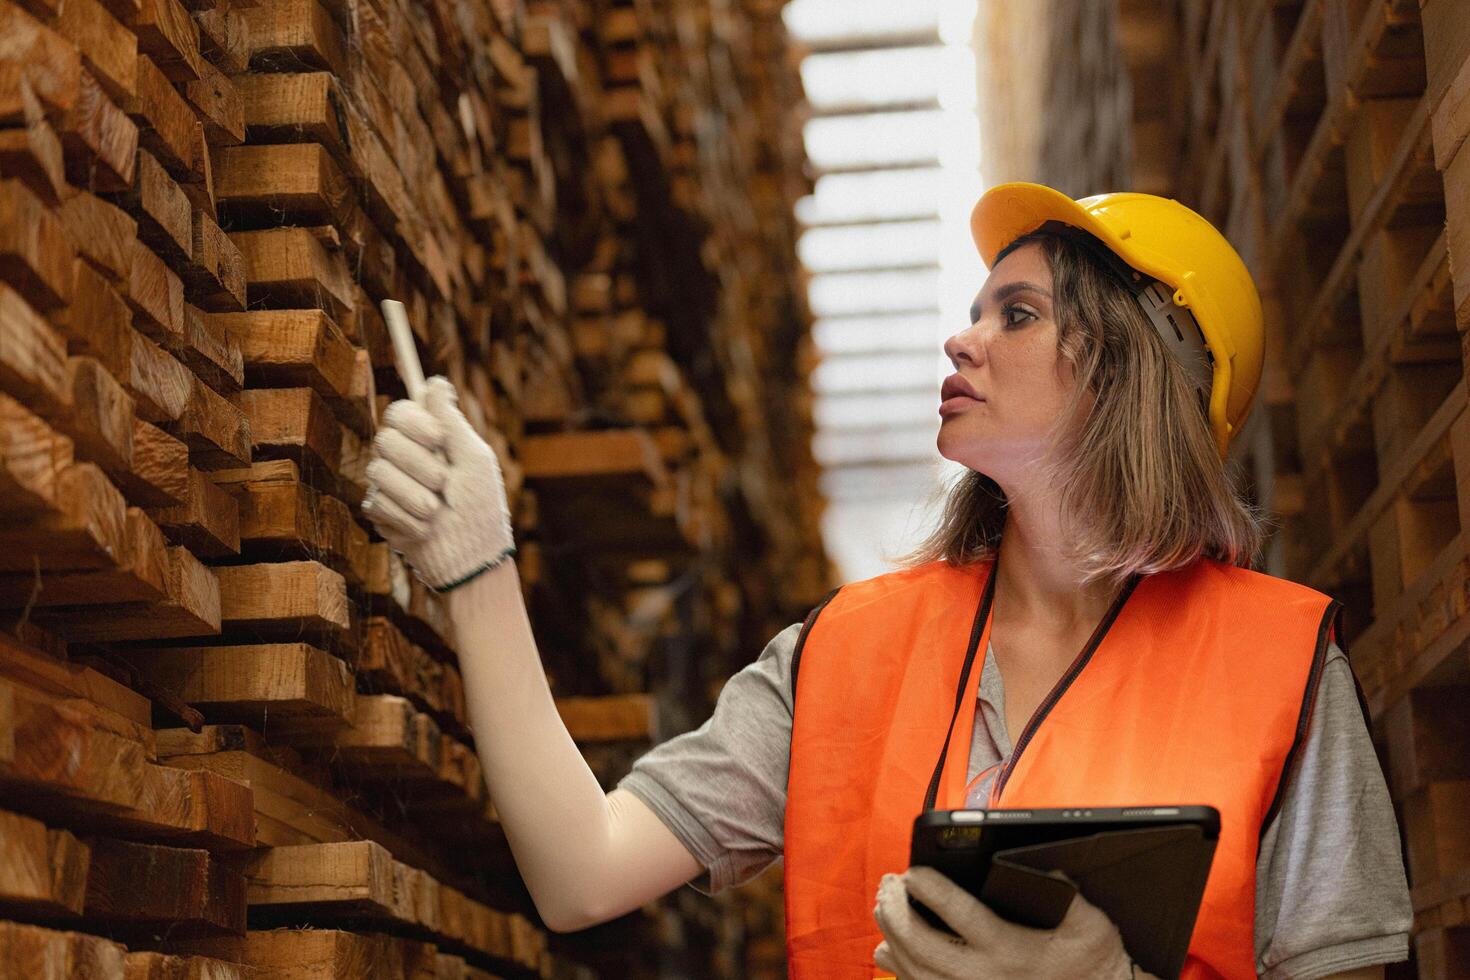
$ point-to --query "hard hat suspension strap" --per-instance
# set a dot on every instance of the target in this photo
(1175, 325)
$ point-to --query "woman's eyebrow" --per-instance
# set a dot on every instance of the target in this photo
(1006, 292)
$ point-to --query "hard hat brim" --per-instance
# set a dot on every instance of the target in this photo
(1008, 211)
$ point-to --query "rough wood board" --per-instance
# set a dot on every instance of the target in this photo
(265, 184)
(217, 276)
(292, 108)
(224, 38)
(207, 520)
(287, 597)
(1451, 122)
(108, 48)
(35, 252)
(219, 105)
(291, 348)
(295, 35)
(101, 142)
(87, 529)
(168, 126)
(165, 216)
(37, 57)
(216, 431)
(159, 474)
(156, 294)
(281, 517)
(615, 717)
(169, 37)
(64, 764)
(321, 954)
(142, 575)
(210, 353)
(295, 423)
(42, 871)
(147, 965)
(185, 890)
(289, 808)
(1457, 231)
(32, 356)
(43, 672)
(47, 954)
(190, 608)
(354, 877)
(98, 416)
(32, 458)
(290, 267)
(158, 382)
(275, 686)
(33, 155)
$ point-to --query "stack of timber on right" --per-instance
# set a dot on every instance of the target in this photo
(1327, 138)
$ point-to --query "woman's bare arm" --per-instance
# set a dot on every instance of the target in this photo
(586, 856)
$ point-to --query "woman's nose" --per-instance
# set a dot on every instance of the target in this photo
(966, 346)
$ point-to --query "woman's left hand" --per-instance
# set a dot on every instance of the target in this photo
(1085, 944)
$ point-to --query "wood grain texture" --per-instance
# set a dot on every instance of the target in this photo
(32, 356)
(103, 233)
(108, 49)
(42, 871)
(35, 252)
(285, 599)
(136, 888)
(38, 58)
(168, 127)
(101, 142)
(48, 954)
(85, 530)
(33, 456)
(278, 688)
(206, 520)
(66, 765)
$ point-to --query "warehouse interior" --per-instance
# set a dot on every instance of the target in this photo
(689, 264)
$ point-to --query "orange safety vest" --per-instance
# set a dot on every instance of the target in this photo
(1195, 689)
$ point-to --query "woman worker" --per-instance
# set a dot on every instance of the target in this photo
(1080, 629)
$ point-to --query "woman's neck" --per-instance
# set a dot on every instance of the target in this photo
(1038, 577)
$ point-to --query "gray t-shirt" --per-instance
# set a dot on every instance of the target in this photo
(1330, 888)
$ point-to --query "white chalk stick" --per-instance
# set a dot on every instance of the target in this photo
(404, 351)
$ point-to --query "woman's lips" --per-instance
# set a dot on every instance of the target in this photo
(955, 393)
(956, 403)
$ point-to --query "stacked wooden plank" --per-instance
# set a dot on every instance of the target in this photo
(227, 705)
(1327, 177)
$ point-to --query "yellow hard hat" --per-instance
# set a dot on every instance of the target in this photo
(1162, 239)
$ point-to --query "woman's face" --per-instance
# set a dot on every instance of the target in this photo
(1009, 357)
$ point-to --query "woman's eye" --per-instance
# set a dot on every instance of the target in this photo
(1007, 312)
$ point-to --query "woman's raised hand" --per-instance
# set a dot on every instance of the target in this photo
(435, 490)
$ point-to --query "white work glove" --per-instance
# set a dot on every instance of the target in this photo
(435, 492)
(1085, 944)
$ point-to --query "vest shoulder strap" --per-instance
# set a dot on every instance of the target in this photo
(806, 627)
(1325, 632)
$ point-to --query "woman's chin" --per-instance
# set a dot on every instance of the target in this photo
(967, 452)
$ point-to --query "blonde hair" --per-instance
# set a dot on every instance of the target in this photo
(1143, 489)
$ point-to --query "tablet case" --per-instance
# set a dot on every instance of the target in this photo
(1149, 882)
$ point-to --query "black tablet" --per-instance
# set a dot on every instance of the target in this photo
(1145, 866)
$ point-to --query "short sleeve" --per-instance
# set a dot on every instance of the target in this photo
(1331, 894)
(721, 788)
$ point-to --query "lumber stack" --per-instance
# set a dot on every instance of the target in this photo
(1326, 138)
(226, 706)
(1328, 178)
